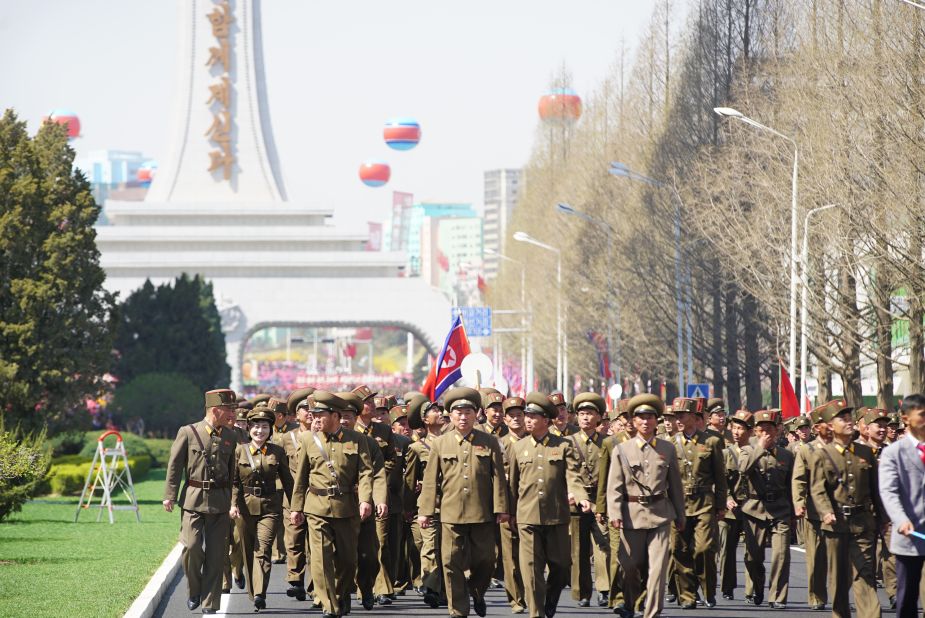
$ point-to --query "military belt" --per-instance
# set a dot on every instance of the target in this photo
(848, 510)
(326, 491)
(644, 500)
(258, 491)
(207, 485)
(771, 496)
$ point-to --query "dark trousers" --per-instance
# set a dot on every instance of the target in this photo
(908, 576)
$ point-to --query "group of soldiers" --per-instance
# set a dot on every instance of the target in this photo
(369, 496)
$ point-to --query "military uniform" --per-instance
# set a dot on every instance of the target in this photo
(234, 561)
(589, 534)
(813, 539)
(615, 587)
(886, 562)
(330, 466)
(763, 496)
(204, 456)
(731, 526)
(543, 475)
(260, 503)
(844, 483)
(644, 491)
(468, 472)
(398, 532)
(510, 536)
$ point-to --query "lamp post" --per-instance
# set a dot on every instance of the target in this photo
(804, 284)
(526, 346)
(524, 237)
(915, 4)
(728, 112)
(614, 328)
(621, 170)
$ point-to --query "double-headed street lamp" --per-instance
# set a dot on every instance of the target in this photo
(567, 209)
(622, 171)
(560, 351)
(526, 340)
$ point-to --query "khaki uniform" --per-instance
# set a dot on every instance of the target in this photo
(295, 537)
(703, 474)
(813, 539)
(254, 491)
(325, 493)
(468, 472)
(385, 440)
(589, 537)
(368, 565)
(844, 482)
(205, 458)
(428, 539)
(507, 537)
(280, 553)
(644, 490)
(731, 526)
(615, 571)
(499, 432)
(543, 473)
(398, 529)
(763, 495)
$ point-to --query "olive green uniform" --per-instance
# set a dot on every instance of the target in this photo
(204, 456)
(703, 475)
(813, 539)
(589, 536)
(280, 553)
(731, 526)
(295, 537)
(542, 475)
(427, 539)
(260, 503)
(615, 587)
(763, 495)
(368, 565)
(844, 482)
(468, 473)
(330, 466)
(384, 438)
(398, 532)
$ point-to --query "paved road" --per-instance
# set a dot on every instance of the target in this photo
(174, 603)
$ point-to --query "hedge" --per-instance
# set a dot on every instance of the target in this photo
(67, 476)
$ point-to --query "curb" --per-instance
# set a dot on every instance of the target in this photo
(151, 596)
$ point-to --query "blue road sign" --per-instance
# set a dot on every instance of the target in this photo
(698, 390)
(476, 320)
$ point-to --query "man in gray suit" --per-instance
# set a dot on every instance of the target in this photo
(902, 490)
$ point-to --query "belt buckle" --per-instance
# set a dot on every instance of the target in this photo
(333, 491)
(258, 491)
(207, 485)
(644, 500)
(847, 510)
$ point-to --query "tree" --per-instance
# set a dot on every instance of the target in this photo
(163, 401)
(172, 329)
(55, 317)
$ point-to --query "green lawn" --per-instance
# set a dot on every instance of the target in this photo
(50, 566)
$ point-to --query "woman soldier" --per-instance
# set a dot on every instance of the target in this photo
(256, 500)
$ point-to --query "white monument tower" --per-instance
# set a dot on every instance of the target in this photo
(218, 208)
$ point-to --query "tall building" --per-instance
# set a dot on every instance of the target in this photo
(502, 188)
(451, 255)
(412, 222)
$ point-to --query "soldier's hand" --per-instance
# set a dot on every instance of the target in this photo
(601, 518)
(616, 524)
(571, 500)
(418, 486)
(829, 519)
(732, 504)
(502, 518)
(296, 518)
(366, 509)
(168, 505)
(424, 521)
(382, 511)
(799, 511)
(233, 512)
(906, 528)
(585, 506)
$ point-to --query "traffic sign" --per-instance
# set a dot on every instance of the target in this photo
(698, 390)
(477, 320)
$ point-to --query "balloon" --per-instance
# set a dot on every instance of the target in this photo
(375, 173)
(146, 173)
(67, 118)
(402, 133)
(560, 105)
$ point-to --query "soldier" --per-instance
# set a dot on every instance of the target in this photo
(544, 480)
(424, 414)
(893, 428)
(615, 589)
(730, 526)
(492, 401)
(205, 498)
(644, 496)
(467, 469)
(844, 488)
(255, 498)
(332, 462)
(805, 511)
(715, 413)
(295, 538)
(670, 423)
(234, 562)
(703, 475)
(281, 425)
(399, 530)
(562, 425)
(587, 531)
(877, 426)
(762, 494)
(382, 434)
(510, 538)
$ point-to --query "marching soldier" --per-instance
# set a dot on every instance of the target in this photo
(234, 562)
(877, 426)
(730, 526)
(587, 531)
(492, 401)
(281, 425)
(762, 494)
(205, 498)
(562, 425)
(332, 462)
(544, 480)
(615, 588)
(510, 537)
(715, 413)
(467, 469)
(259, 464)
(398, 531)
(644, 496)
(703, 475)
(844, 488)
(424, 414)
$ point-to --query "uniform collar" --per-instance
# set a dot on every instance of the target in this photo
(544, 440)
(642, 443)
(213, 430)
(464, 438)
(842, 448)
(336, 436)
(262, 449)
(592, 437)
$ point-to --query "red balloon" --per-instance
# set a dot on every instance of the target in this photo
(67, 118)
(560, 105)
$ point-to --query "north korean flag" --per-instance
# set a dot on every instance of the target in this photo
(448, 367)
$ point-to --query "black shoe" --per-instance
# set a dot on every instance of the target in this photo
(295, 590)
(671, 598)
(209, 610)
(239, 582)
(691, 605)
(892, 602)
(478, 604)
(192, 603)
(279, 561)
(728, 596)
(710, 603)
(602, 599)
(495, 583)
(775, 605)
(818, 607)
(328, 616)
(383, 600)
(346, 605)
(549, 609)
(259, 603)
(584, 602)
(754, 599)
(226, 590)
(431, 598)
(368, 601)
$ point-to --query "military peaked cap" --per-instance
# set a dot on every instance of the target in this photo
(645, 403)
(590, 400)
(298, 398)
(220, 397)
(538, 403)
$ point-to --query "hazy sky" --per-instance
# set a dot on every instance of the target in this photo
(470, 72)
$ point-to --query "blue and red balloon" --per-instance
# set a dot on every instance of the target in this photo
(375, 173)
(402, 133)
(560, 105)
(67, 118)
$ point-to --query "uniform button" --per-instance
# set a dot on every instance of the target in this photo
(465, 489)
(541, 493)
(466, 463)
(539, 481)
(465, 477)
(539, 467)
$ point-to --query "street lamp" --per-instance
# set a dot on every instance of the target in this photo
(915, 4)
(621, 170)
(804, 282)
(526, 346)
(524, 237)
(728, 112)
(567, 209)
